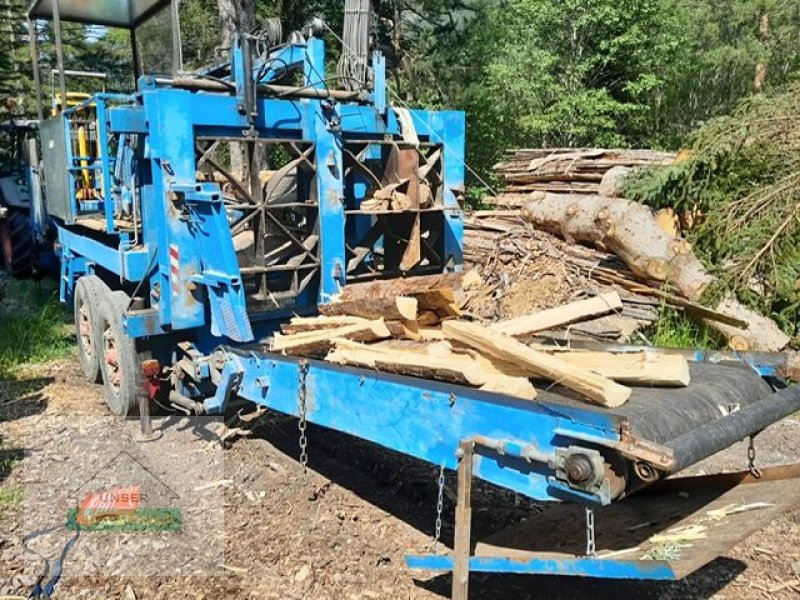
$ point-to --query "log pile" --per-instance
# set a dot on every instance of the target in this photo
(441, 343)
(571, 170)
(626, 250)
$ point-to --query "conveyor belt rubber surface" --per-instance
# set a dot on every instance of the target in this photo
(664, 414)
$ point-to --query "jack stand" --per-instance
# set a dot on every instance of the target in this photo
(144, 415)
(461, 547)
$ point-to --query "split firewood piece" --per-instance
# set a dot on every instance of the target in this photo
(498, 345)
(454, 369)
(561, 315)
(320, 341)
(302, 324)
(435, 361)
(442, 303)
(498, 380)
(389, 307)
(633, 368)
(392, 299)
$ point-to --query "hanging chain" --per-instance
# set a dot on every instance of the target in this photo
(302, 424)
(439, 508)
(590, 546)
(751, 459)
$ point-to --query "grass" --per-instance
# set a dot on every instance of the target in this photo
(10, 498)
(34, 328)
(675, 329)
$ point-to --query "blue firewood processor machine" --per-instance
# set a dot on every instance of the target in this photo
(196, 214)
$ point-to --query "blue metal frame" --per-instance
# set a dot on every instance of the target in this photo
(651, 570)
(424, 419)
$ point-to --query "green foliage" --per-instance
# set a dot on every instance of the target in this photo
(744, 175)
(34, 328)
(564, 73)
(675, 329)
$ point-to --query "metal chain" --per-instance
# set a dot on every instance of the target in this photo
(590, 545)
(439, 508)
(751, 459)
(302, 424)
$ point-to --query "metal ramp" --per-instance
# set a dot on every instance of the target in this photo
(697, 518)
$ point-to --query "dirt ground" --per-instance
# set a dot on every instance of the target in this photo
(340, 531)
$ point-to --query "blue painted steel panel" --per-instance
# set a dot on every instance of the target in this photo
(584, 567)
(449, 129)
(131, 265)
(421, 418)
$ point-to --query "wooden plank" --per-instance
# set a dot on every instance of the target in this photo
(561, 315)
(598, 389)
(463, 533)
(302, 324)
(320, 341)
(633, 368)
(454, 369)
(433, 361)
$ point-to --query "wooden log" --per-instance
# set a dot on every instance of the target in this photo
(629, 230)
(318, 342)
(389, 307)
(633, 368)
(598, 389)
(561, 315)
(408, 286)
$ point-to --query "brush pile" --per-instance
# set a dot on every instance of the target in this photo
(741, 183)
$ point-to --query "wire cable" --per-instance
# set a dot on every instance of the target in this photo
(353, 68)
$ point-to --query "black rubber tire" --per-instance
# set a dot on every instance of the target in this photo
(121, 369)
(16, 243)
(89, 293)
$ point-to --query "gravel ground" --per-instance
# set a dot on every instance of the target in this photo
(340, 531)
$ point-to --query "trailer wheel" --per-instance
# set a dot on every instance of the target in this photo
(89, 291)
(16, 243)
(121, 363)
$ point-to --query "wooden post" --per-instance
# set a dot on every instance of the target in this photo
(461, 547)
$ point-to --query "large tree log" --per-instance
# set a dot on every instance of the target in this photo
(629, 230)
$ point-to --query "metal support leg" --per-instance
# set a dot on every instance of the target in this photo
(461, 548)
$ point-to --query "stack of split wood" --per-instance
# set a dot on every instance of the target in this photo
(416, 327)
(570, 170)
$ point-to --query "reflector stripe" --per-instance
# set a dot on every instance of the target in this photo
(175, 269)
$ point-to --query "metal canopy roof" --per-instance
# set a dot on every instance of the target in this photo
(112, 13)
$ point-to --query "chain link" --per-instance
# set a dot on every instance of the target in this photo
(590, 545)
(751, 459)
(439, 508)
(302, 424)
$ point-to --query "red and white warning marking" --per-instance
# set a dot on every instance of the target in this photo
(175, 269)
